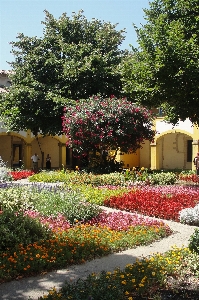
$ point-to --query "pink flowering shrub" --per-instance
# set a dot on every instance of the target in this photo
(106, 122)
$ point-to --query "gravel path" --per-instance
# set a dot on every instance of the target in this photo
(34, 287)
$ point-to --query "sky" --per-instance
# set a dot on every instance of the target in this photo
(25, 16)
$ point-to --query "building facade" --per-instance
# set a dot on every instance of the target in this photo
(174, 147)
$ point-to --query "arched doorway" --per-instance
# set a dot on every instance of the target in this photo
(174, 151)
(12, 150)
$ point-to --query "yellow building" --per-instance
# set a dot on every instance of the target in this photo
(174, 147)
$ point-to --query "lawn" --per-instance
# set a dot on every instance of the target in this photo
(50, 227)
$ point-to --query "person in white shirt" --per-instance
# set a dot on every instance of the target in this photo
(35, 159)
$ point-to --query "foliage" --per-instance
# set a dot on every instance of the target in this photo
(16, 198)
(163, 202)
(73, 178)
(49, 177)
(194, 242)
(17, 228)
(60, 201)
(144, 279)
(4, 172)
(102, 124)
(98, 194)
(163, 71)
(74, 59)
(167, 178)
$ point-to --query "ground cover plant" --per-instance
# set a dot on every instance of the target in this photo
(126, 178)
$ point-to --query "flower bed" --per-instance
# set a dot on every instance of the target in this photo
(20, 174)
(75, 244)
(161, 202)
(93, 233)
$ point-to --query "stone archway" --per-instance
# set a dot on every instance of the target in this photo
(172, 150)
(12, 149)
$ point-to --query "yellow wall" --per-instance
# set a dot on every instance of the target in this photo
(168, 151)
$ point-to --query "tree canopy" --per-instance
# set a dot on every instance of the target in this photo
(74, 59)
(164, 70)
(106, 123)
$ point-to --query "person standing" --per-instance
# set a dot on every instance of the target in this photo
(35, 159)
(196, 163)
(48, 162)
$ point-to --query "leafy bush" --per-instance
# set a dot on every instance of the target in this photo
(4, 172)
(49, 201)
(163, 178)
(19, 229)
(70, 203)
(79, 178)
(97, 195)
(194, 242)
(52, 176)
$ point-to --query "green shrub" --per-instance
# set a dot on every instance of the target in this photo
(4, 172)
(194, 242)
(79, 178)
(20, 229)
(163, 178)
(52, 176)
(71, 204)
(103, 288)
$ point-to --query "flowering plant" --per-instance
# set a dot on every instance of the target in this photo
(163, 202)
(20, 174)
(106, 123)
(4, 172)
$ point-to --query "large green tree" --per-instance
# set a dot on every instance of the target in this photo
(164, 70)
(74, 59)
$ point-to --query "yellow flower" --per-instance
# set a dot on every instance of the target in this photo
(126, 293)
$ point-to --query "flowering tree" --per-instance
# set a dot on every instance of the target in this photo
(106, 123)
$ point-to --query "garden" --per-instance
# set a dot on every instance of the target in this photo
(59, 218)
